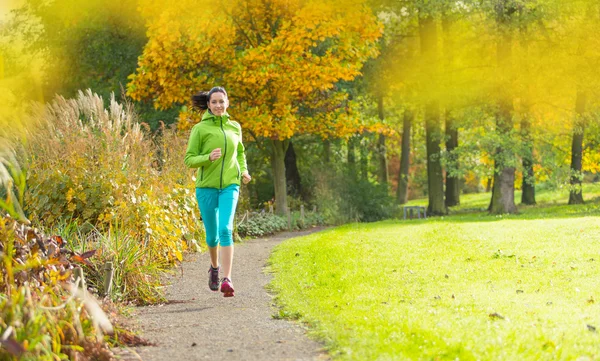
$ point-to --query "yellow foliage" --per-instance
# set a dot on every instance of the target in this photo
(272, 57)
(591, 162)
(96, 165)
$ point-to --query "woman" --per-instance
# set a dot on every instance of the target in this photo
(215, 148)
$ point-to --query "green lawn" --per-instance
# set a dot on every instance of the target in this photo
(462, 287)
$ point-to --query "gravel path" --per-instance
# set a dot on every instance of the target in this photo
(198, 324)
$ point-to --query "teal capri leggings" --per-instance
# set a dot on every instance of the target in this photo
(217, 207)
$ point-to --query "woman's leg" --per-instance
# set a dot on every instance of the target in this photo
(227, 259)
(208, 202)
(228, 199)
(214, 256)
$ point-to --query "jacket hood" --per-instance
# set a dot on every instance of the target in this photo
(208, 115)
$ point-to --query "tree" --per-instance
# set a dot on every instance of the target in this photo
(525, 68)
(93, 44)
(576, 194)
(402, 192)
(503, 191)
(381, 146)
(292, 175)
(452, 180)
(586, 64)
(277, 58)
(570, 66)
(528, 183)
(429, 39)
(85, 45)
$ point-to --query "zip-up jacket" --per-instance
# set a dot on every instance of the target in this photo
(211, 133)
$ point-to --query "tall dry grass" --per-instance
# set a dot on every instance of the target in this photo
(42, 315)
(98, 167)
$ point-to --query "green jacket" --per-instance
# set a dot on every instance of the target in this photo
(211, 133)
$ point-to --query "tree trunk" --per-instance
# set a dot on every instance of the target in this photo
(503, 188)
(364, 161)
(503, 191)
(452, 182)
(278, 149)
(528, 186)
(435, 177)
(576, 194)
(528, 183)
(292, 175)
(402, 193)
(352, 155)
(327, 151)
(382, 174)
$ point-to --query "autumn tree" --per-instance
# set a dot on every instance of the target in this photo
(402, 190)
(558, 84)
(585, 21)
(84, 45)
(277, 58)
(93, 44)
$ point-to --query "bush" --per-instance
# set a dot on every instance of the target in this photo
(97, 166)
(343, 198)
(39, 314)
(369, 202)
(260, 224)
(263, 223)
(311, 219)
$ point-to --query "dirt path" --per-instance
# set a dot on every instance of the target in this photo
(198, 324)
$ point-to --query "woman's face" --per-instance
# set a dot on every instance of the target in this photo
(218, 103)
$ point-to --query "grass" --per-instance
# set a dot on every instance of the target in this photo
(462, 287)
(478, 202)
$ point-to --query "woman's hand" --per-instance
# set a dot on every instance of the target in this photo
(215, 154)
(246, 178)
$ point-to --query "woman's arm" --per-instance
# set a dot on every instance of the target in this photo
(192, 157)
(241, 158)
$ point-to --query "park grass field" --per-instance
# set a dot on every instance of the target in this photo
(467, 286)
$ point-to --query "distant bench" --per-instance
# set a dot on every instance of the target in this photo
(414, 209)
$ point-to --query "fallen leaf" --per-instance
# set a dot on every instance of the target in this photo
(88, 254)
(79, 259)
(496, 316)
(57, 239)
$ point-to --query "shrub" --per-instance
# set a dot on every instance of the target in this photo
(341, 197)
(311, 219)
(369, 202)
(39, 315)
(92, 171)
(260, 224)
(97, 166)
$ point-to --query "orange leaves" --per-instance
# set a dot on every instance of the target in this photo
(82, 258)
(272, 56)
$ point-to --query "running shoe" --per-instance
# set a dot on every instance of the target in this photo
(227, 287)
(213, 278)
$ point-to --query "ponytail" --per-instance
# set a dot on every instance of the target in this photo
(200, 100)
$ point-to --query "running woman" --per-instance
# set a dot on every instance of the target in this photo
(215, 148)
